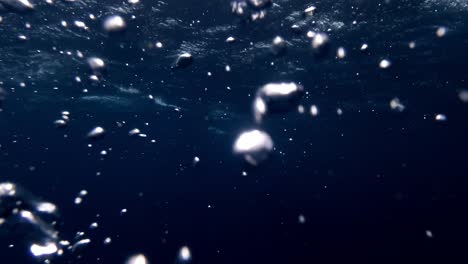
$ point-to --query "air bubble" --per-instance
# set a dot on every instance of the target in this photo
(254, 145)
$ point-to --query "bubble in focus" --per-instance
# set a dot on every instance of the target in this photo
(276, 97)
(254, 145)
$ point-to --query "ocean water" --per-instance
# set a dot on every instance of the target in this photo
(358, 151)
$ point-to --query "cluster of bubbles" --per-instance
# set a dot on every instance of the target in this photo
(63, 121)
(19, 207)
(36, 221)
(33, 218)
(251, 10)
(256, 145)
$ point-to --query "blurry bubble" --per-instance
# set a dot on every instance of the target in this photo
(441, 117)
(17, 5)
(384, 64)
(230, 40)
(429, 234)
(94, 78)
(341, 53)
(309, 11)
(80, 24)
(311, 34)
(276, 97)
(239, 7)
(196, 160)
(184, 254)
(22, 37)
(94, 225)
(137, 259)
(97, 65)
(184, 60)
(2, 96)
(81, 243)
(296, 29)
(259, 108)
(314, 111)
(300, 109)
(278, 46)
(412, 45)
(364, 47)
(441, 32)
(46, 207)
(60, 123)
(320, 44)
(339, 111)
(463, 95)
(301, 219)
(134, 132)
(114, 23)
(107, 241)
(78, 200)
(133, 1)
(260, 4)
(96, 133)
(396, 105)
(47, 249)
(254, 145)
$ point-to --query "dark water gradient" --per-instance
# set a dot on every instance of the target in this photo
(369, 182)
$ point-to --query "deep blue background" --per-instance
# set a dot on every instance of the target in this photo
(369, 182)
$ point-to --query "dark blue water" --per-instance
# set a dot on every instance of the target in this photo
(373, 184)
